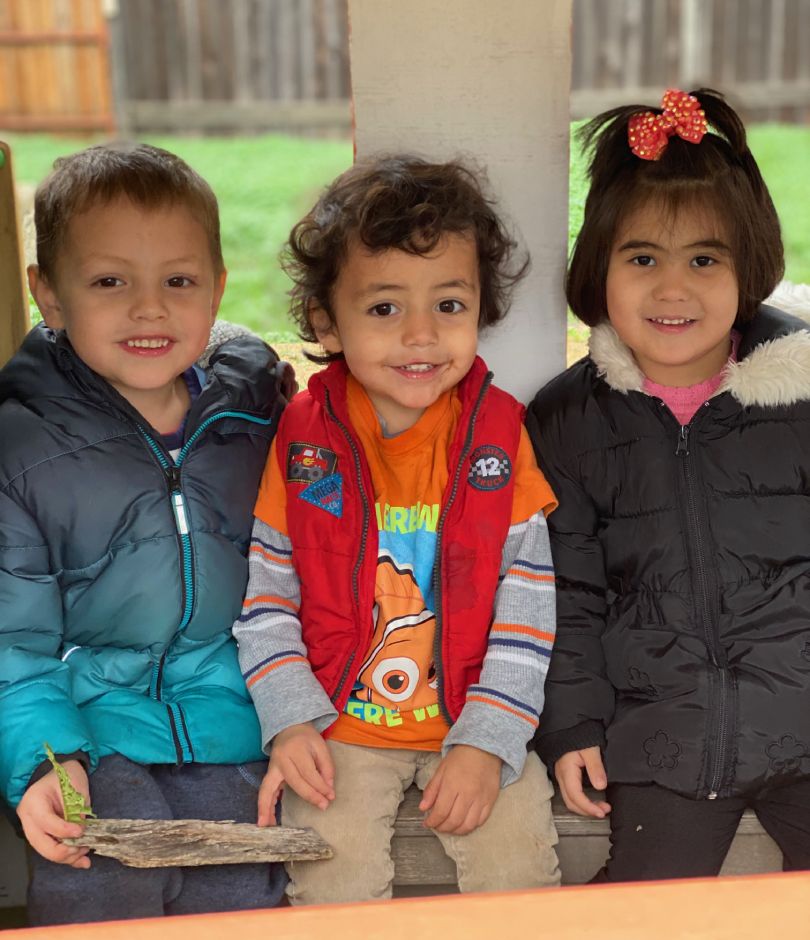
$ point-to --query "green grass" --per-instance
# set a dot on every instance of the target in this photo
(266, 183)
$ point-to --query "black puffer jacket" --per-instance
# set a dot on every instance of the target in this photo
(683, 568)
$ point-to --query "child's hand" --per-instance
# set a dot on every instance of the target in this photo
(42, 816)
(568, 771)
(301, 759)
(462, 792)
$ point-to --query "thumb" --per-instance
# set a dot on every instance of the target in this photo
(595, 768)
(431, 791)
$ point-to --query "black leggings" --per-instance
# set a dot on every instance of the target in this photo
(657, 834)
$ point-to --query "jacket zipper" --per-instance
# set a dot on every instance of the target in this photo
(706, 590)
(358, 469)
(438, 602)
(171, 471)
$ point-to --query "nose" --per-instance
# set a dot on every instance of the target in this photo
(671, 284)
(419, 328)
(148, 304)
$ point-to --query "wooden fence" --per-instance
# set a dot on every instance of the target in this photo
(54, 71)
(253, 65)
(756, 50)
(236, 65)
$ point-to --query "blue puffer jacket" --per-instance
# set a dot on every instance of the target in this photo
(121, 570)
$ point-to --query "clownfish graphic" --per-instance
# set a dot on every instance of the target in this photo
(399, 671)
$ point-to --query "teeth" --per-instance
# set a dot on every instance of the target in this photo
(148, 343)
(417, 367)
(671, 322)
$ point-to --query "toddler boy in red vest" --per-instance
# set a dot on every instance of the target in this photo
(400, 610)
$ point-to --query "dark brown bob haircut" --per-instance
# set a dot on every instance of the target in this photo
(719, 176)
(149, 177)
(401, 202)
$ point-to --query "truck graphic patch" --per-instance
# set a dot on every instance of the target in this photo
(307, 463)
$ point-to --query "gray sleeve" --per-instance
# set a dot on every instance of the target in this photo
(502, 710)
(272, 654)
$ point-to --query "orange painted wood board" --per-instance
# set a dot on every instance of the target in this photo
(750, 908)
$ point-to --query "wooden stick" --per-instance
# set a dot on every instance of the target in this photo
(154, 843)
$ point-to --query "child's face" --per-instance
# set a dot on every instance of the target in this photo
(672, 293)
(406, 324)
(136, 291)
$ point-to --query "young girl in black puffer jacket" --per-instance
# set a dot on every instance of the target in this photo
(679, 450)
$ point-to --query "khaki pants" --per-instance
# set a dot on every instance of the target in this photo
(513, 849)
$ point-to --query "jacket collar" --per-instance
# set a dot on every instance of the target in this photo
(773, 366)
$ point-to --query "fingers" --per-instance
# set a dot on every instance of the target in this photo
(325, 767)
(458, 815)
(269, 792)
(301, 758)
(595, 768)
(45, 838)
(569, 776)
(307, 781)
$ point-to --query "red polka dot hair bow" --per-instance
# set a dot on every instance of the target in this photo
(649, 133)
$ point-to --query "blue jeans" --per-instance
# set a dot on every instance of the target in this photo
(119, 788)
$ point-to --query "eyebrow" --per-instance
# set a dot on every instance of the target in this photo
(714, 243)
(101, 258)
(381, 288)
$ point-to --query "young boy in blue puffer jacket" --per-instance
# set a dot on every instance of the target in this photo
(128, 476)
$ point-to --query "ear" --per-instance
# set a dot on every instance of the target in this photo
(46, 298)
(219, 290)
(324, 328)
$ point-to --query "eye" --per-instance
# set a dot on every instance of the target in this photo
(432, 680)
(643, 261)
(703, 261)
(179, 280)
(396, 678)
(383, 309)
(108, 282)
(450, 306)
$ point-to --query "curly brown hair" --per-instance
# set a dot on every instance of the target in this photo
(719, 174)
(401, 202)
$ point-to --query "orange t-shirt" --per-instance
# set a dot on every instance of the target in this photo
(394, 702)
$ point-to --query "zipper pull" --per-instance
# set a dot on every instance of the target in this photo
(173, 478)
(682, 450)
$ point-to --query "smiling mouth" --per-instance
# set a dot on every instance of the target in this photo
(417, 368)
(671, 321)
(154, 343)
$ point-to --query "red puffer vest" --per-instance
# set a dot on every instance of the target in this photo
(334, 531)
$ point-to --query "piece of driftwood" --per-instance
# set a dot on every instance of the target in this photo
(155, 843)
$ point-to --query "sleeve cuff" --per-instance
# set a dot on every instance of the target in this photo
(46, 767)
(478, 727)
(291, 699)
(551, 747)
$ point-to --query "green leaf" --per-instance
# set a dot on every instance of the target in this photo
(76, 810)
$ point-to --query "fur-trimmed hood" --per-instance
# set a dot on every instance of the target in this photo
(773, 366)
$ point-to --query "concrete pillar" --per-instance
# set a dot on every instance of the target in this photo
(491, 81)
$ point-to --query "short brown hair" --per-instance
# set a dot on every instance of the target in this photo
(718, 174)
(401, 202)
(147, 176)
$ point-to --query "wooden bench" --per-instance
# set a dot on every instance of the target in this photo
(13, 297)
(419, 858)
(421, 867)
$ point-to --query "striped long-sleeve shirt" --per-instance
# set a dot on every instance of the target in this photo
(502, 709)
